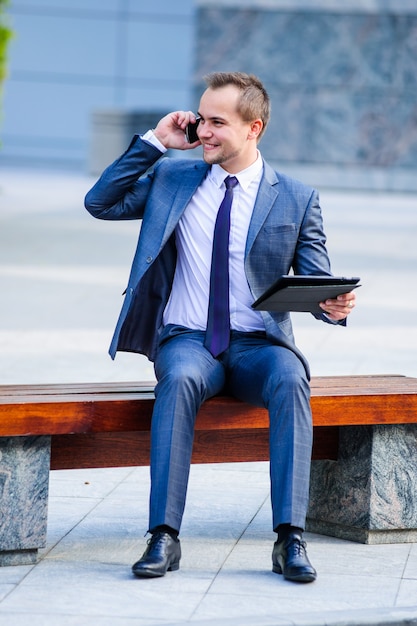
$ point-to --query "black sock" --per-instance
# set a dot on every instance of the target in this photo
(283, 530)
(163, 528)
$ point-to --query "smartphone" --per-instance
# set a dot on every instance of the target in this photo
(191, 131)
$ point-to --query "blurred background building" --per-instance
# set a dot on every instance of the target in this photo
(85, 74)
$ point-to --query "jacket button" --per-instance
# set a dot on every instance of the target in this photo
(149, 259)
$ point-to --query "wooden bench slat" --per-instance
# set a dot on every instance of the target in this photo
(123, 410)
(70, 389)
(130, 449)
(363, 410)
(122, 415)
(380, 385)
(338, 385)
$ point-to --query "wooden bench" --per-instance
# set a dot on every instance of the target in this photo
(364, 427)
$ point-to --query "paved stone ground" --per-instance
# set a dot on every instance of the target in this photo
(62, 274)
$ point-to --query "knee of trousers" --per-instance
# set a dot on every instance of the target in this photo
(178, 383)
(288, 384)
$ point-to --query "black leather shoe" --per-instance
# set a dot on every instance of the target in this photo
(289, 557)
(161, 556)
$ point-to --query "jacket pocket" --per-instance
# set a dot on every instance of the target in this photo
(280, 228)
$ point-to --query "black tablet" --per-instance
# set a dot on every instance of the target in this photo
(303, 293)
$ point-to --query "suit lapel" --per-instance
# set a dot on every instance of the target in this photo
(188, 182)
(266, 198)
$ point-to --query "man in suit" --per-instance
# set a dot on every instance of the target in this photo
(275, 227)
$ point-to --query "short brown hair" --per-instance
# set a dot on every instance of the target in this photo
(254, 101)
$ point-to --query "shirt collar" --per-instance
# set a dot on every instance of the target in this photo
(245, 177)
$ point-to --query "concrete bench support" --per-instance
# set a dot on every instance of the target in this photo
(24, 481)
(369, 494)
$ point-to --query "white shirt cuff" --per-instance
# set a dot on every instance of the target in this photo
(149, 136)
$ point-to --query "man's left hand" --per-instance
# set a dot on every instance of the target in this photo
(340, 307)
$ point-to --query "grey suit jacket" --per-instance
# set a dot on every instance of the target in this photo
(285, 233)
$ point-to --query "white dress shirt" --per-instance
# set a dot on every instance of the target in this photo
(188, 302)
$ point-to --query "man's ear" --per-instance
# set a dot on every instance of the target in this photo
(255, 129)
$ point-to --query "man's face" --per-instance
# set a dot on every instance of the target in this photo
(226, 138)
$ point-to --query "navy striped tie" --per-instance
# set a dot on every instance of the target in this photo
(218, 320)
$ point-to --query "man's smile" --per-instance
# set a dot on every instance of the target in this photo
(210, 146)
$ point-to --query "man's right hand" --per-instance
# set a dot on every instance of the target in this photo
(170, 130)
